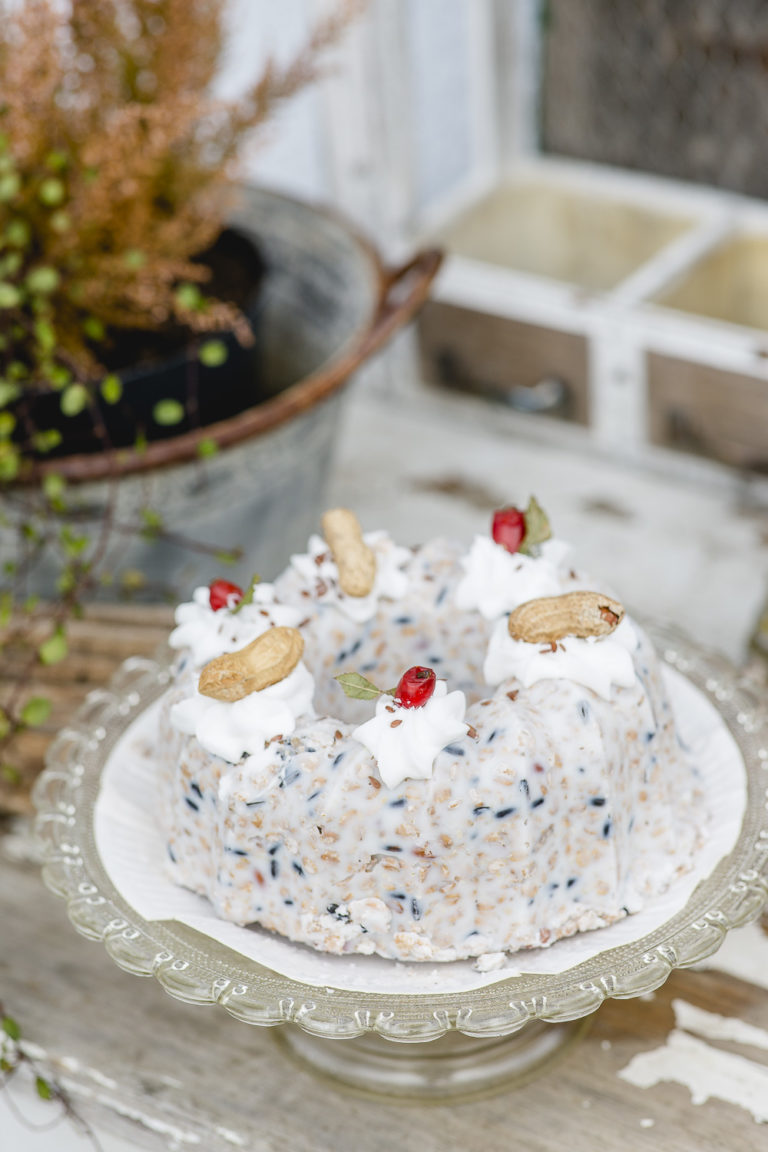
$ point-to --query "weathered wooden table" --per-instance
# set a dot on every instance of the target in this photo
(168, 1075)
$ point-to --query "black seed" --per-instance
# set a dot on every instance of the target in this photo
(493, 735)
(315, 794)
(538, 802)
(236, 851)
(583, 710)
(338, 760)
(454, 750)
(649, 736)
(415, 909)
(369, 667)
(441, 596)
(274, 868)
(570, 883)
(481, 808)
(254, 803)
(403, 620)
(392, 848)
(502, 812)
(196, 788)
(298, 868)
(356, 646)
(273, 849)
(597, 801)
(398, 803)
(554, 885)
(287, 901)
(397, 895)
(523, 786)
(434, 659)
(170, 853)
(192, 804)
(607, 829)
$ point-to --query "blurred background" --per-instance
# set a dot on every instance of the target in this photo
(595, 173)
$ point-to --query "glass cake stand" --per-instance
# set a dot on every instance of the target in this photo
(480, 1041)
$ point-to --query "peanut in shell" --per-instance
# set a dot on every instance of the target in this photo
(354, 559)
(552, 618)
(265, 661)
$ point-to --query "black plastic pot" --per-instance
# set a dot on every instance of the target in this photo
(168, 367)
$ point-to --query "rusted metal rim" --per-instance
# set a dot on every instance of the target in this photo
(398, 296)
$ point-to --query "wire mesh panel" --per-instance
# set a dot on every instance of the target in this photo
(674, 87)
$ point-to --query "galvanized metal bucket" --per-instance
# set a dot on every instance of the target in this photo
(328, 305)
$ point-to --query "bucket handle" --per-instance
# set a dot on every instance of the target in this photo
(405, 289)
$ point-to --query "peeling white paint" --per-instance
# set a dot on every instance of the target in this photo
(707, 1072)
(231, 1137)
(714, 1027)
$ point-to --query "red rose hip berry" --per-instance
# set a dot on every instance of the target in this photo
(508, 528)
(415, 687)
(221, 591)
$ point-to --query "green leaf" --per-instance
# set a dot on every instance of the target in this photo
(58, 376)
(167, 412)
(7, 424)
(43, 279)
(47, 440)
(54, 649)
(8, 392)
(51, 192)
(5, 724)
(537, 527)
(11, 264)
(152, 519)
(93, 328)
(11, 1028)
(10, 297)
(207, 448)
(10, 773)
(74, 399)
(111, 388)
(9, 460)
(60, 221)
(18, 233)
(36, 711)
(10, 183)
(45, 335)
(357, 687)
(44, 1089)
(134, 258)
(248, 594)
(132, 579)
(6, 610)
(188, 296)
(53, 486)
(230, 557)
(213, 353)
(56, 160)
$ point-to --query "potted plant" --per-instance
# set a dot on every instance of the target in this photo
(118, 188)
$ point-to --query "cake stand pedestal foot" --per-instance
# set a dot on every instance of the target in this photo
(451, 1069)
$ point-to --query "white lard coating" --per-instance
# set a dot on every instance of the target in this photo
(564, 813)
(203, 633)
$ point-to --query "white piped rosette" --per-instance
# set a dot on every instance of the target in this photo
(405, 741)
(495, 581)
(596, 662)
(208, 633)
(319, 572)
(231, 728)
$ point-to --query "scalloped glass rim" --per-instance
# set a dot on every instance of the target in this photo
(195, 969)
